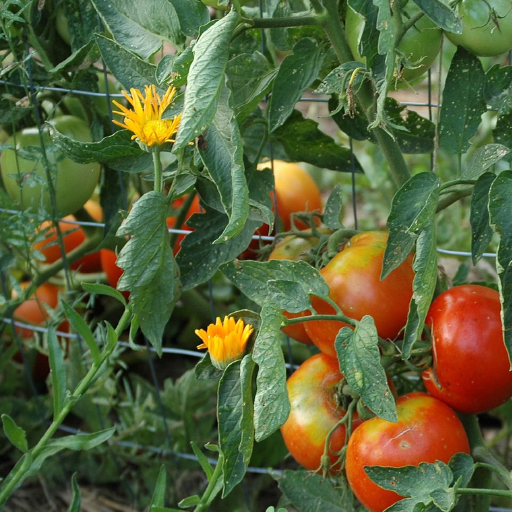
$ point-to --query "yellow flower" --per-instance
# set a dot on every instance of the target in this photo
(145, 119)
(225, 341)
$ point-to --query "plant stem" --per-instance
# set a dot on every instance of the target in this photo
(157, 163)
(311, 318)
(365, 95)
(453, 197)
(485, 492)
(82, 387)
(212, 484)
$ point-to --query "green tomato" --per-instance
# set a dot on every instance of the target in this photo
(25, 180)
(486, 27)
(420, 44)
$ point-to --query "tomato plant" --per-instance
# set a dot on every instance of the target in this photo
(25, 179)
(315, 410)
(427, 430)
(470, 369)
(420, 44)
(486, 27)
(353, 276)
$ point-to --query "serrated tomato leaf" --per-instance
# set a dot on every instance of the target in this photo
(481, 231)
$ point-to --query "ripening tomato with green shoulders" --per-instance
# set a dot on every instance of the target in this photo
(486, 27)
(427, 430)
(353, 276)
(315, 410)
(420, 45)
(25, 179)
(470, 365)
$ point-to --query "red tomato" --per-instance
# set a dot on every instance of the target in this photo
(295, 248)
(471, 368)
(314, 411)
(112, 271)
(427, 430)
(33, 311)
(73, 235)
(194, 208)
(353, 276)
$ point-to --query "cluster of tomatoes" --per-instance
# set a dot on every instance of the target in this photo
(469, 370)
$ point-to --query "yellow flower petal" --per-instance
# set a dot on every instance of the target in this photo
(226, 341)
(145, 117)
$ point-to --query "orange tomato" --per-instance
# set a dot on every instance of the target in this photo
(112, 271)
(72, 236)
(171, 221)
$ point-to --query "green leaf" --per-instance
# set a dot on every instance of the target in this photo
(80, 442)
(15, 434)
(88, 52)
(191, 501)
(57, 371)
(296, 73)
(82, 22)
(158, 498)
(271, 404)
(500, 211)
(385, 26)
(118, 150)
(427, 484)
(104, 289)
(482, 159)
(417, 134)
(173, 69)
(203, 460)
(250, 77)
(130, 70)
(192, 15)
(199, 258)
(10, 114)
(150, 272)
(424, 284)
(463, 467)
(481, 231)
(441, 14)
(267, 282)
(463, 102)
(502, 133)
(222, 154)
(235, 417)
(205, 370)
(81, 327)
(359, 357)
(413, 207)
(76, 500)
(279, 35)
(205, 79)
(333, 208)
(310, 492)
(141, 30)
(304, 142)
(497, 87)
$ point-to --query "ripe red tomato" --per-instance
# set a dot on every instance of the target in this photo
(296, 191)
(353, 276)
(33, 311)
(295, 248)
(194, 208)
(314, 411)
(72, 236)
(74, 183)
(427, 430)
(420, 44)
(486, 27)
(471, 369)
(112, 271)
